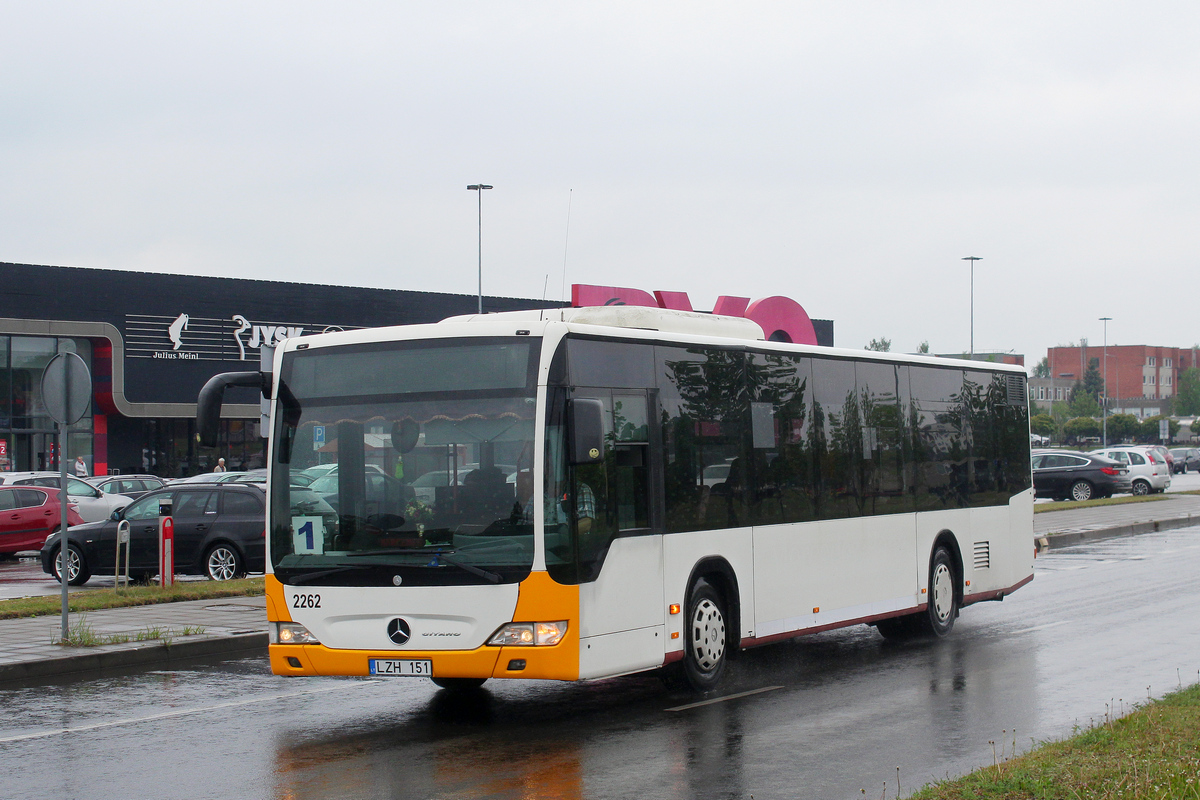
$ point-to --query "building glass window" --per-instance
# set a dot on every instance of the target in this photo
(27, 433)
(1166, 362)
(1150, 361)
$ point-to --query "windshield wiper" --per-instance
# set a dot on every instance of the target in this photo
(321, 573)
(442, 555)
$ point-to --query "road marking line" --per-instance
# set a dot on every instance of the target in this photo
(1043, 627)
(170, 714)
(718, 699)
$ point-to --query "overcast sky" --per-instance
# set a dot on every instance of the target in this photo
(847, 155)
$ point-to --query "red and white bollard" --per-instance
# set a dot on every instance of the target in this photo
(166, 544)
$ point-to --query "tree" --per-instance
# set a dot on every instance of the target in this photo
(1042, 370)
(1187, 399)
(1042, 425)
(1149, 429)
(1093, 381)
(881, 345)
(1079, 427)
(1122, 427)
(1083, 404)
(923, 347)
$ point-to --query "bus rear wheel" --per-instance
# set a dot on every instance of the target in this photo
(458, 684)
(938, 618)
(706, 639)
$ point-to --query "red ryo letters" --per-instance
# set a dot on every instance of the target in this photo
(781, 318)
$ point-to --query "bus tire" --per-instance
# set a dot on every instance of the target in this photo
(458, 684)
(938, 618)
(706, 638)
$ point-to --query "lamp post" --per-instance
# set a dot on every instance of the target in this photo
(1104, 408)
(478, 189)
(972, 259)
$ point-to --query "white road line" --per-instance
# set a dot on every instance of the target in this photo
(721, 699)
(1043, 627)
(180, 713)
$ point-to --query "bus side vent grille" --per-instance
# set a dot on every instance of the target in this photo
(983, 555)
(1015, 390)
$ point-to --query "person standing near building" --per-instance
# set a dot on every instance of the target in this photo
(81, 470)
(220, 467)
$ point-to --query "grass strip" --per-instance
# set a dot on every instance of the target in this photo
(1106, 501)
(82, 635)
(1152, 753)
(98, 599)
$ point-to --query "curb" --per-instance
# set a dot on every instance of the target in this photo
(150, 654)
(1054, 540)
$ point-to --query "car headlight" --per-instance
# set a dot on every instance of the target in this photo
(291, 633)
(529, 634)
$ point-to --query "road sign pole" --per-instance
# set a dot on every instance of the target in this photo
(64, 550)
(67, 393)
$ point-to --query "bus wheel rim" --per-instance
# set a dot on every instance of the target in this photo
(943, 592)
(708, 634)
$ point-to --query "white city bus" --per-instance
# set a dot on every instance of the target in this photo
(623, 489)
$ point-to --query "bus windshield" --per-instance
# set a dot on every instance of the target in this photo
(405, 463)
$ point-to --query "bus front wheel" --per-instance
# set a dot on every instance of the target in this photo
(705, 638)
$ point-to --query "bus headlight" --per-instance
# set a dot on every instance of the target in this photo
(291, 633)
(529, 634)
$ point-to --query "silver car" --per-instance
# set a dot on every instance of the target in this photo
(91, 503)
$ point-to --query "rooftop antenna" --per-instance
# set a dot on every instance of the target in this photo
(562, 298)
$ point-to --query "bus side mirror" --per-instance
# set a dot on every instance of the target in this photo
(587, 431)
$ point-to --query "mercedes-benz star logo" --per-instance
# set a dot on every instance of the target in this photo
(398, 631)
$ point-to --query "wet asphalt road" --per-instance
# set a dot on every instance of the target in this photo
(1102, 626)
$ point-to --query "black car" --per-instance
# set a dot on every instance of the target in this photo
(1185, 458)
(132, 486)
(220, 531)
(1068, 475)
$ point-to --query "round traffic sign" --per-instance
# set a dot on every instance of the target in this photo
(66, 388)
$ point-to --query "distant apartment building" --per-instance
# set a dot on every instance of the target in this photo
(1140, 379)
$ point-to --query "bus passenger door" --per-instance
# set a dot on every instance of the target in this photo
(622, 613)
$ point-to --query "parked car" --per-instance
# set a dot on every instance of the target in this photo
(1186, 458)
(28, 514)
(132, 486)
(1165, 454)
(1065, 474)
(220, 531)
(1147, 469)
(92, 504)
(209, 477)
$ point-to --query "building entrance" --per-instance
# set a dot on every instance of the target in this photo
(24, 452)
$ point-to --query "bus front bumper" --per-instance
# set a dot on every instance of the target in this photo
(558, 662)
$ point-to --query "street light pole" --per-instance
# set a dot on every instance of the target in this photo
(972, 259)
(478, 189)
(1104, 409)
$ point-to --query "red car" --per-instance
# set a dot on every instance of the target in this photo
(28, 514)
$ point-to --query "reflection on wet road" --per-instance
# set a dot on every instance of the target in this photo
(1102, 626)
